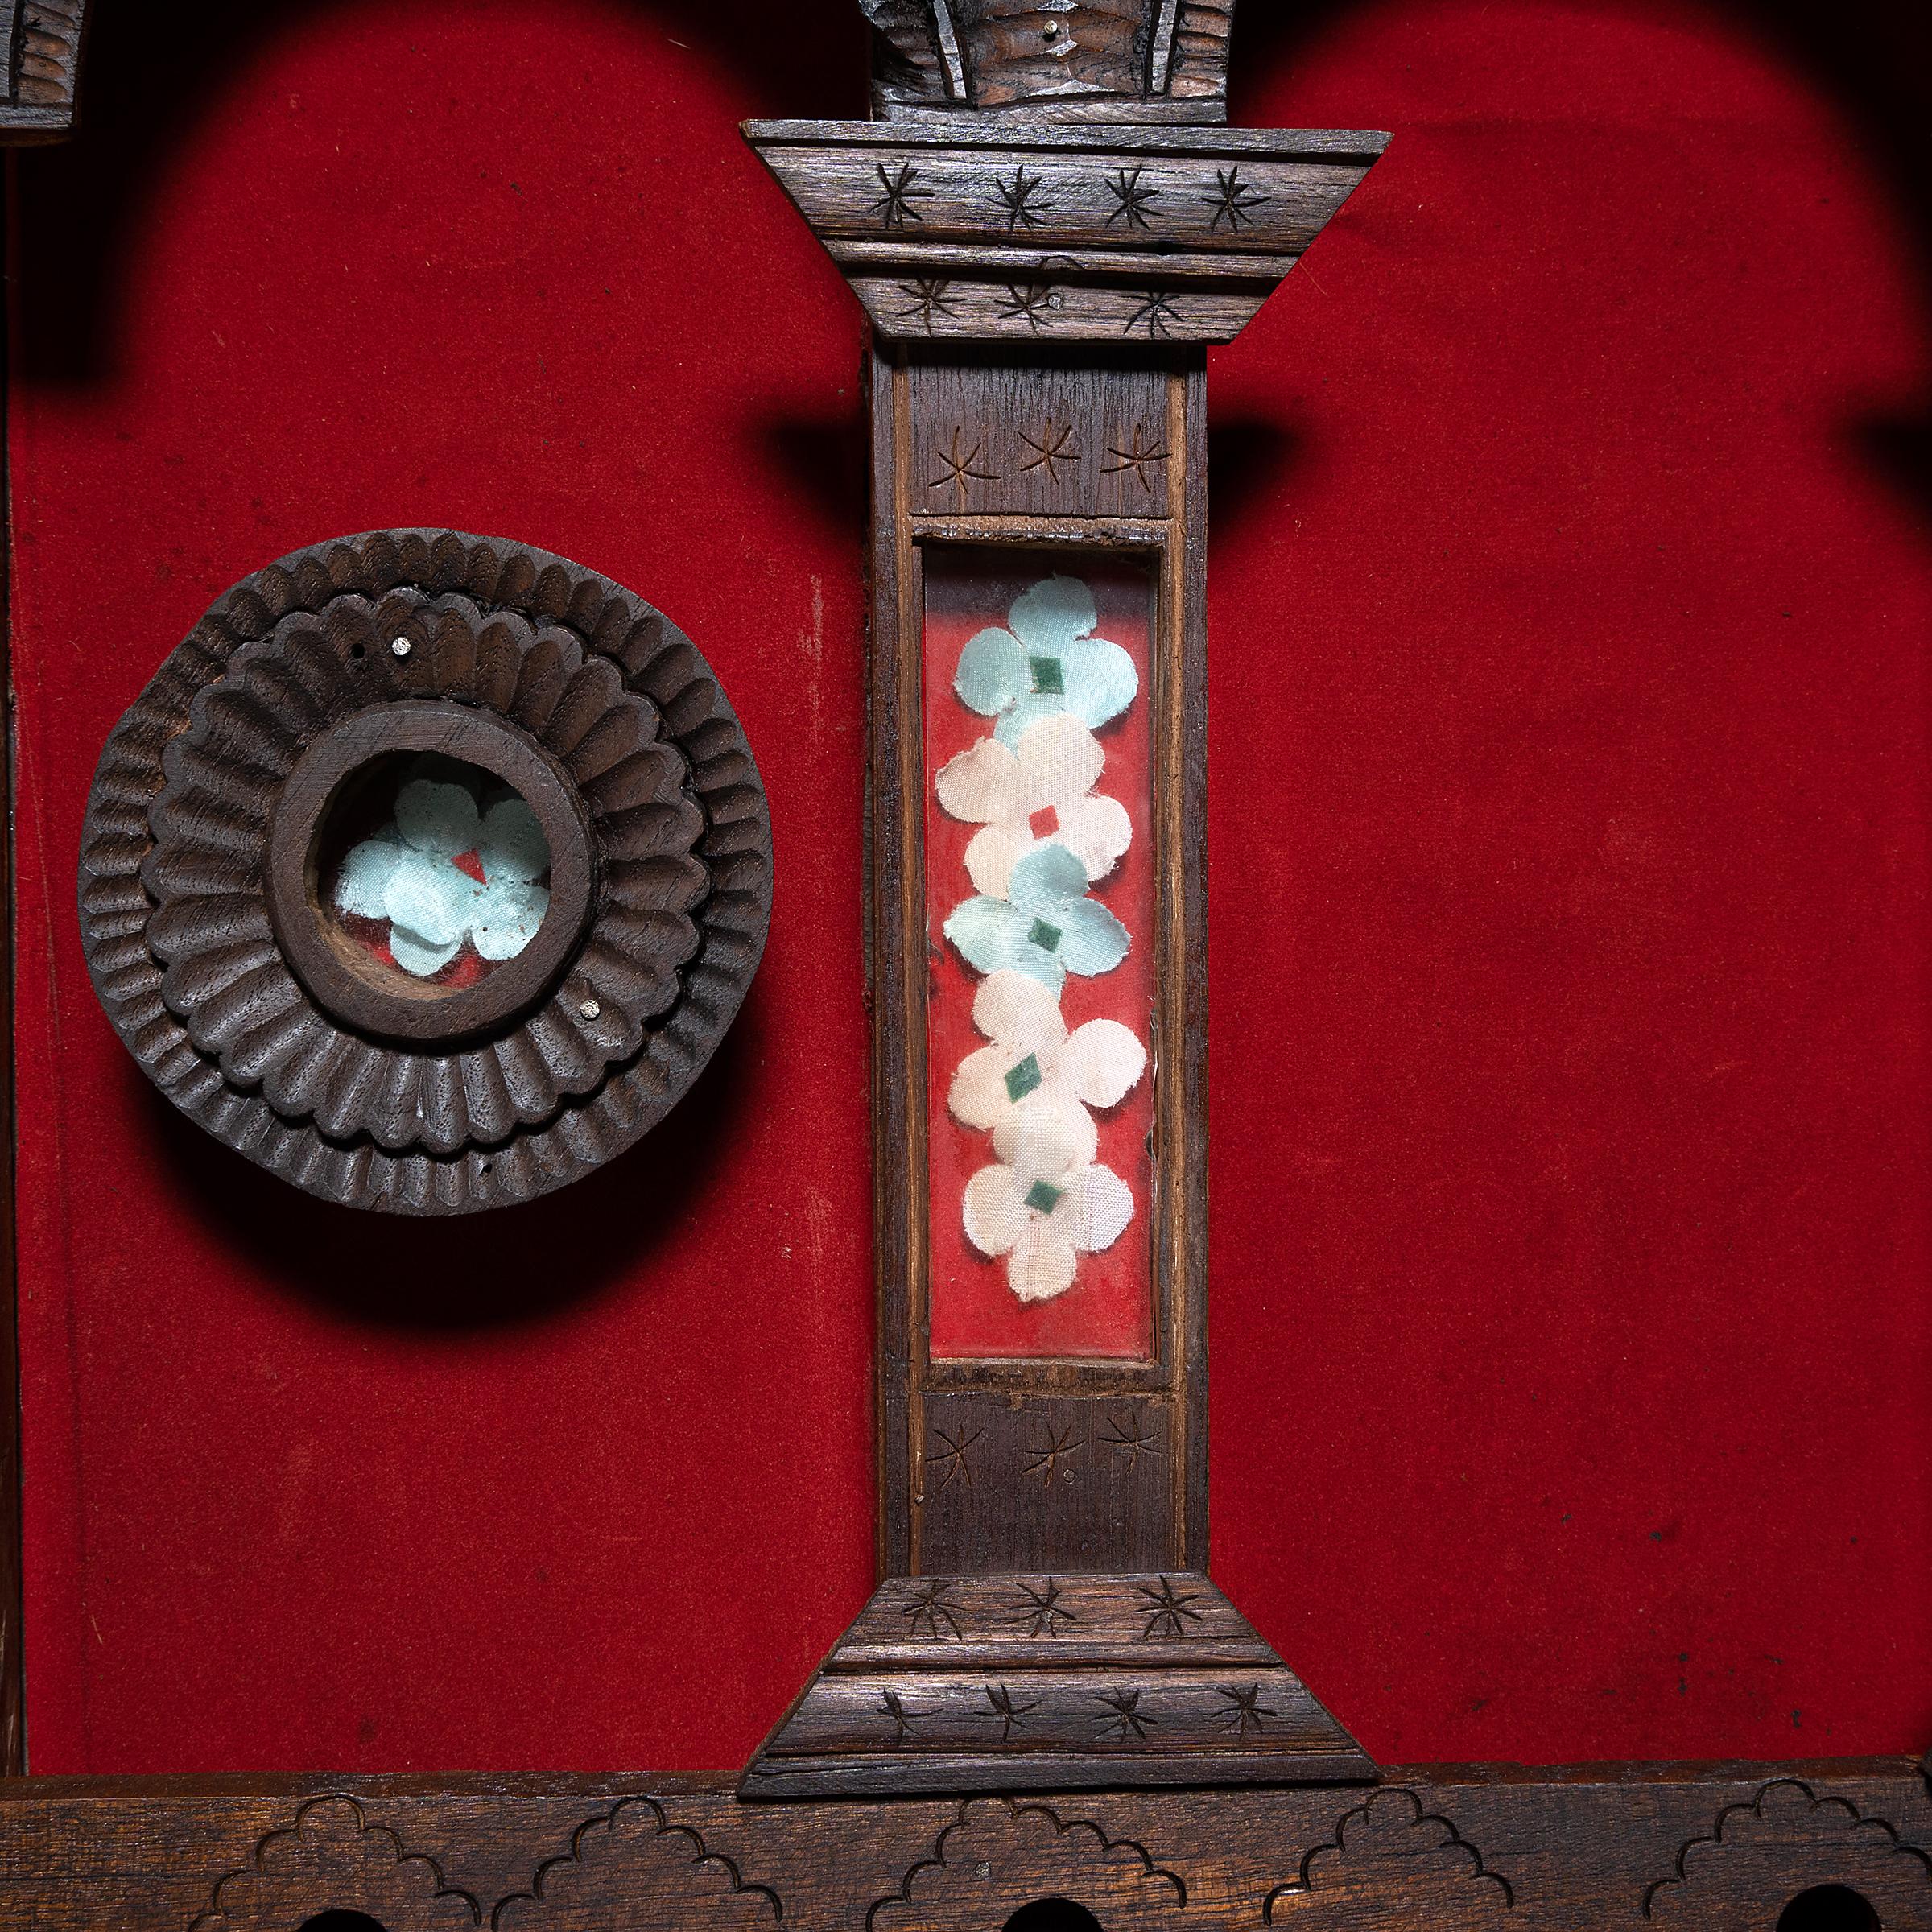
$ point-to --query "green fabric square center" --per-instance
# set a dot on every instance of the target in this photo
(1044, 1195)
(1048, 678)
(1047, 937)
(1022, 1080)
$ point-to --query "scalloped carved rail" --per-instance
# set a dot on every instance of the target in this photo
(1462, 1849)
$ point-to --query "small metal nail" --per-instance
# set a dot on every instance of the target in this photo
(399, 648)
(590, 1009)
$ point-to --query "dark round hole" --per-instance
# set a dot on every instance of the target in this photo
(1053, 1915)
(342, 1922)
(358, 650)
(1829, 1909)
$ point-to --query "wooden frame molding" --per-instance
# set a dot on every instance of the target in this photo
(1042, 282)
(1707, 1847)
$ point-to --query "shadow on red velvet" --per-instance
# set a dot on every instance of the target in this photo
(473, 1272)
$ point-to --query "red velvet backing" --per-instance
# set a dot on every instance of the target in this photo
(1569, 777)
(1108, 1311)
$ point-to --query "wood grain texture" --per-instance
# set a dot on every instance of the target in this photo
(1059, 235)
(1129, 1481)
(583, 691)
(1067, 59)
(1055, 441)
(1455, 1849)
(1007, 1484)
(1044, 1682)
(44, 42)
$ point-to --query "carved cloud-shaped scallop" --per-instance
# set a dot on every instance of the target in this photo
(632, 1867)
(332, 1859)
(1760, 1856)
(1392, 1862)
(997, 1855)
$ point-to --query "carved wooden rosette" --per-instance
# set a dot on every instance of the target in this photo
(1042, 281)
(207, 925)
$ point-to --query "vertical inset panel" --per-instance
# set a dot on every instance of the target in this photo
(1038, 696)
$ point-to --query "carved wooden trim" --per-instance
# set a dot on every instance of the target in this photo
(1051, 1683)
(1042, 237)
(1065, 60)
(1391, 1858)
(1452, 1849)
(1737, 1876)
(633, 1867)
(333, 1858)
(1041, 285)
(43, 44)
(988, 1862)
(198, 893)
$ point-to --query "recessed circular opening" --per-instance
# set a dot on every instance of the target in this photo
(430, 874)
(1053, 1915)
(1829, 1909)
(342, 1922)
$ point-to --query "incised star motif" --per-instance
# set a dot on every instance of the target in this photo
(1051, 447)
(1167, 1613)
(894, 204)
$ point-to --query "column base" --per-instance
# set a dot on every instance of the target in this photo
(1012, 1684)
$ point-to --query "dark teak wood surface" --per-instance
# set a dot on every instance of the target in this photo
(1443, 1849)
(1043, 257)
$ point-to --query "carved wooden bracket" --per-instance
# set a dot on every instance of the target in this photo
(43, 39)
(1048, 234)
(1135, 60)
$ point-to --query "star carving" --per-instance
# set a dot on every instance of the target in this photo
(893, 1705)
(1059, 1447)
(1038, 1613)
(930, 1608)
(929, 296)
(1023, 200)
(894, 206)
(1130, 1433)
(1165, 1610)
(1012, 1714)
(1030, 302)
(1134, 201)
(1232, 201)
(962, 468)
(951, 1459)
(1156, 313)
(1052, 447)
(1124, 1717)
(1141, 453)
(1245, 1712)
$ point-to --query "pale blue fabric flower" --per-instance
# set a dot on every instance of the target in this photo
(1045, 927)
(1046, 664)
(410, 875)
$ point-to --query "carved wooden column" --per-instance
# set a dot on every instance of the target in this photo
(1047, 229)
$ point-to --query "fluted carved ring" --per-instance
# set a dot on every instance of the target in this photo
(198, 886)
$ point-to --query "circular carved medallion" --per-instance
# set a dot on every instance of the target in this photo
(427, 872)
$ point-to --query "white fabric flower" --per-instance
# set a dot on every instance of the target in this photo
(1044, 790)
(1046, 1202)
(410, 876)
(1034, 1059)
